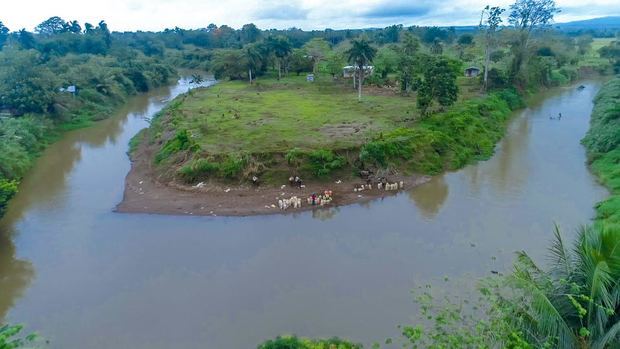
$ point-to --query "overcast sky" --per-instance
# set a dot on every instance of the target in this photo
(306, 14)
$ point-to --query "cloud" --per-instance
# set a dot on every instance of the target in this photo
(278, 11)
(398, 9)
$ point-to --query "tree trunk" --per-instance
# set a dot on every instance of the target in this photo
(279, 70)
(354, 79)
(487, 62)
(250, 74)
(360, 83)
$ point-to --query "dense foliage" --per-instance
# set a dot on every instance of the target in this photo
(603, 145)
(446, 140)
(37, 76)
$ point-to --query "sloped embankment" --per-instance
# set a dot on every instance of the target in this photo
(603, 145)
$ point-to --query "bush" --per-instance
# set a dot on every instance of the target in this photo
(233, 166)
(181, 141)
(7, 190)
(293, 342)
(322, 162)
(447, 140)
(197, 170)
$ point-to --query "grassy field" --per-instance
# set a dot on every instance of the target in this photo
(277, 128)
(592, 58)
(274, 116)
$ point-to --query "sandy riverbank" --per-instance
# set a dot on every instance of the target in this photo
(145, 194)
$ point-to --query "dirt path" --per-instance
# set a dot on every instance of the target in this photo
(144, 194)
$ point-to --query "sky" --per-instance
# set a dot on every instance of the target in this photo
(155, 15)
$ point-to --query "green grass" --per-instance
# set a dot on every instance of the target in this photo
(592, 58)
(277, 128)
(273, 116)
(603, 145)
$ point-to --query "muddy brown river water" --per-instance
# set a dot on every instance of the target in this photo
(84, 276)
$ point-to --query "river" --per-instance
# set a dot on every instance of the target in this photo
(84, 276)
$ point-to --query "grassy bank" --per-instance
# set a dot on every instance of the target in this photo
(603, 145)
(275, 129)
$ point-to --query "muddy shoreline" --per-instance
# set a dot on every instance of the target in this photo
(145, 194)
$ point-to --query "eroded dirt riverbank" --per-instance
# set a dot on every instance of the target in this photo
(145, 194)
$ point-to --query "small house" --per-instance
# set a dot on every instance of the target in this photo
(472, 72)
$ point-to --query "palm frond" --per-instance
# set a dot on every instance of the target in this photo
(560, 259)
(608, 337)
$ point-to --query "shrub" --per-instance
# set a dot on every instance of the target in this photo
(198, 169)
(181, 141)
(293, 342)
(233, 166)
(322, 162)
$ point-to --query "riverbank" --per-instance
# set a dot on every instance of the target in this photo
(145, 194)
(46, 111)
(603, 146)
(183, 164)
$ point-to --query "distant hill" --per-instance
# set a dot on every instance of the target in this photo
(610, 23)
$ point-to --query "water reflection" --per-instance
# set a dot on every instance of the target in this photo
(326, 213)
(429, 197)
(15, 274)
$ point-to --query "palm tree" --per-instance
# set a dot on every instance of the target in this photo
(576, 302)
(361, 54)
(254, 59)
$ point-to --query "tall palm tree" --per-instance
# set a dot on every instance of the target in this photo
(361, 54)
(254, 59)
(576, 302)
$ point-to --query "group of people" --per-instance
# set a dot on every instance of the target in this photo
(559, 117)
(315, 199)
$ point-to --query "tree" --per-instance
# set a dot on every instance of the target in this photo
(52, 25)
(4, 34)
(28, 86)
(250, 33)
(490, 20)
(317, 49)
(361, 54)
(574, 302)
(73, 27)
(408, 66)
(527, 16)
(102, 28)
(281, 48)
(584, 43)
(438, 83)
(386, 61)
(229, 63)
(465, 39)
(334, 63)
(300, 62)
(26, 39)
(391, 34)
(254, 58)
(437, 47)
